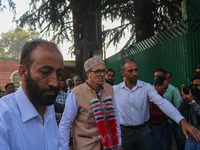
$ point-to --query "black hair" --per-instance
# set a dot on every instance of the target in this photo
(161, 70)
(62, 80)
(159, 80)
(6, 86)
(169, 73)
(111, 70)
(195, 76)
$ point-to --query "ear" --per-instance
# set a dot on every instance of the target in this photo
(23, 72)
(122, 73)
(87, 73)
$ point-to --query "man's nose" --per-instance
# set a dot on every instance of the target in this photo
(134, 72)
(53, 80)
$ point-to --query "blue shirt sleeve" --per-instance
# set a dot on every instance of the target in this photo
(69, 114)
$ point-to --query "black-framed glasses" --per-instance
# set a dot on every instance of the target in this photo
(99, 71)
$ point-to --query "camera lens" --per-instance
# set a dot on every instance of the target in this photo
(186, 89)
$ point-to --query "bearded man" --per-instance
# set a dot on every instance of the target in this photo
(110, 75)
(27, 116)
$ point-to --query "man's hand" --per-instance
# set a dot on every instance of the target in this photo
(186, 127)
(189, 97)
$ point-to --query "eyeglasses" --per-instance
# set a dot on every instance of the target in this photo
(98, 71)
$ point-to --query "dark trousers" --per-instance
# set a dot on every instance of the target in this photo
(174, 129)
(158, 136)
(136, 139)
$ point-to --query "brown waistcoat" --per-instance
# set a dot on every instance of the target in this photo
(85, 131)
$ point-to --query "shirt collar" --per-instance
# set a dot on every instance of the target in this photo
(26, 108)
(139, 84)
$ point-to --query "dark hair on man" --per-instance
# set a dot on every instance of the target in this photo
(159, 80)
(169, 73)
(161, 70)
(6, 86)
(123, 63)
(195, 76)
(198, 66)
(29, 47)
(111, 70)
(62, 80)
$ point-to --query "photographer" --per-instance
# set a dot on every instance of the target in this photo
(190, 104)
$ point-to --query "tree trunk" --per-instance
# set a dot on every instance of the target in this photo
(87, 32)
(144, 25)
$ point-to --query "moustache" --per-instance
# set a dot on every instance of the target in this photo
(55, 89)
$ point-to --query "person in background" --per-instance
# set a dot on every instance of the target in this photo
(169, 78)
(63, 86)
(172, 127)
(10, 88)
(198, 68)
(110, 75)
(77, 80)
(132, 96)
(90, 109)
(60, 101)
(157, 121)
(190, 105)
(27, 116)
(69, 83)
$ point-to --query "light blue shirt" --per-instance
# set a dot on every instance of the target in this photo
(21, 126)
(133, 106)
(69, 115)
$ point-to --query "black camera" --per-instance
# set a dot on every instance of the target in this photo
(192, 87)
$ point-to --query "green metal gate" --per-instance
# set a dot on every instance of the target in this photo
(176, 50)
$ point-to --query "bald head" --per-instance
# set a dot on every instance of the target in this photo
(29, 47)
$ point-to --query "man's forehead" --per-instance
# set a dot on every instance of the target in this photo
(44, 49)
(130, 63)
(196, 81)
(46, 56)
(168, 74)
(101, 66)
(77, 78)
(110, 72)
(159, 73)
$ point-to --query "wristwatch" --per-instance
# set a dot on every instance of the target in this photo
(192, 102)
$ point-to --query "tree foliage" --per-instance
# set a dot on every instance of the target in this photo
(11, 42)
(79, 21)
(142, 18)
(51, 17)
(11, 5)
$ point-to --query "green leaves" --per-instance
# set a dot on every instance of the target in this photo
(11, 42)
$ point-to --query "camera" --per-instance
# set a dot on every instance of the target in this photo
(192, 87)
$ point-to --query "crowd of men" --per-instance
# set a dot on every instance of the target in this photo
(95, 114)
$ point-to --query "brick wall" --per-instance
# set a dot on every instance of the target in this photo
(9, 72)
